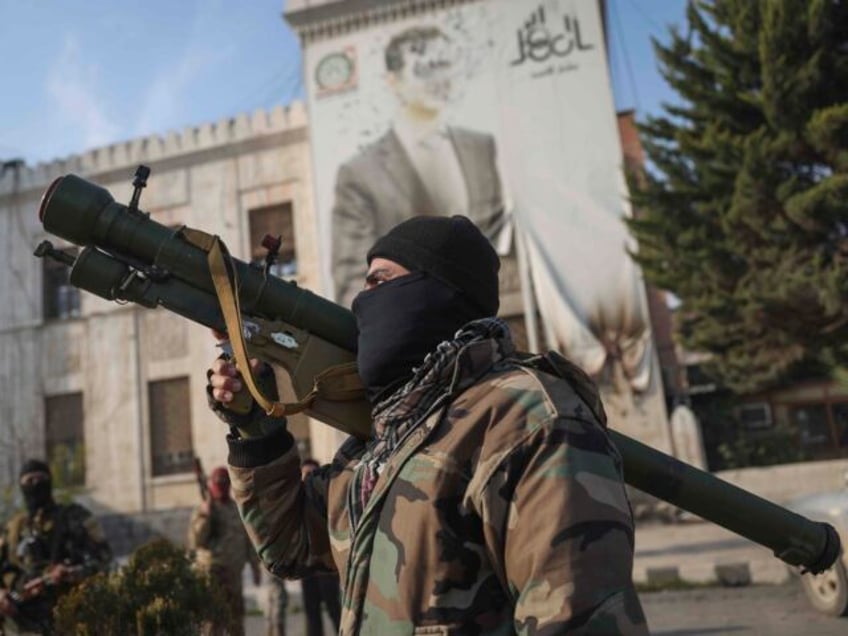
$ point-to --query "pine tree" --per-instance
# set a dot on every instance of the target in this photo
(743, 214)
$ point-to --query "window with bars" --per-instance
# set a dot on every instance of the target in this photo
(276, 220)
(824, 424)
(64, 438)
(60, 299)
(170, 426)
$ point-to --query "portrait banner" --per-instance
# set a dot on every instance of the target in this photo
(500, 110)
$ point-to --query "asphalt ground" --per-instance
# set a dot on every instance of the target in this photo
(693, 552)
(701, 552)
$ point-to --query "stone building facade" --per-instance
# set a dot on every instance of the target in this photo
(112, 394)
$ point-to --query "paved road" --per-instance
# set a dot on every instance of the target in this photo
(295, 625)
(256, 624)
(762, 610)
(767, 610)
(696, 548)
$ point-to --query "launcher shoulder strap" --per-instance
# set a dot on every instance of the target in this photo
(336, 383)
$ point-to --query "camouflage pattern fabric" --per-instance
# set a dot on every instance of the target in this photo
(502, 512)
(66, 534)
(278, 604)
(219, 540)
(222, 549)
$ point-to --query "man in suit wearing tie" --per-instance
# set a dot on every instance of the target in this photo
(421, 166)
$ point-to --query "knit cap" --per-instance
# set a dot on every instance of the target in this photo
(451, 249)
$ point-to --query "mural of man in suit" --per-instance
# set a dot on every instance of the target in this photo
(421, 165)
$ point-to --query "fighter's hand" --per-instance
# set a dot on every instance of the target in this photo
(58, 573)
(35, 587)
(224, 377)
(7, 607)
(226, 380)
(230, 400)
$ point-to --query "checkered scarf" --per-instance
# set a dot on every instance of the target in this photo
(432, 385)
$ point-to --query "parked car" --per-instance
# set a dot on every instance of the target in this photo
(828, 591)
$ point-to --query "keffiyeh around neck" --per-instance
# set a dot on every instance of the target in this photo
(444, 373)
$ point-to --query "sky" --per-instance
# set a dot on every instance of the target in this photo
(80, 74)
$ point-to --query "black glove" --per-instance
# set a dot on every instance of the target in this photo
(255, 422)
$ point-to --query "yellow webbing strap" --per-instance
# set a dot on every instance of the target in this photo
(199, 238)
(338, 383)
(225, 279)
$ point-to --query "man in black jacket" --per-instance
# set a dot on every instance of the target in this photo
(45, 550)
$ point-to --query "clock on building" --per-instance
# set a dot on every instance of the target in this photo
(335, 71)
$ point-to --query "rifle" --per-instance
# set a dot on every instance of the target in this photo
(36, 587)
(28, 618)
(201, 479)
(129, 257)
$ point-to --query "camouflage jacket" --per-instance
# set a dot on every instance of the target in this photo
(219, 540)
(67, 534)
(504, 512)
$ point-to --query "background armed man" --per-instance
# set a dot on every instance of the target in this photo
(45, 550)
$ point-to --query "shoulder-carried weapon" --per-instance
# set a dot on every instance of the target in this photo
(129, 257)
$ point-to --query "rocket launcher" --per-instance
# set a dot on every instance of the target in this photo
(129, 257)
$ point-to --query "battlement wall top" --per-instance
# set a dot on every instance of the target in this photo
(242, 127)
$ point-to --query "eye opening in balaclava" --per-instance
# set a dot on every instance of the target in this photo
(453, 280)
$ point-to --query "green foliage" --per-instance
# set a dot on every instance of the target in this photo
(778, 446)
(157, 593)
(744, 215)
(67, 468)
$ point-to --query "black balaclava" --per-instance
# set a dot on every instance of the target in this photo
(40, 495)
(453, 280)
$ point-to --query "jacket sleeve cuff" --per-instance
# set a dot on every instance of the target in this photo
(258, 451)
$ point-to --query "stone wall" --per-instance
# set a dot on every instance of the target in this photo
(125, 533)
(779, 484)
(208, 177)
(782, 483)
(163, 151)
